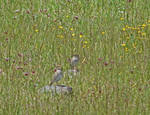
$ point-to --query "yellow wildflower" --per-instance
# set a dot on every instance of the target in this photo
(84, 46)
(60, 27)
(124, 29)
(121, 18)
(138, 28)
(123, 45)
(36, 30)
(139, 32)
(103, 33)
(144, 25)
(80, 35)
(128, 27)
(73, 35)
(67, 16)
(126, 49)
(143, 34)
(148, 21)
(61, 36)
(85, 42)
(71, 29)
(133, 28)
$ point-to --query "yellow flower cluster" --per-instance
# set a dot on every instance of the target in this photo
(85, 44)
(133, 37)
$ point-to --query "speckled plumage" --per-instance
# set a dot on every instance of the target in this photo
(58, 75)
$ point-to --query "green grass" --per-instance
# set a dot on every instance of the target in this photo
(48, 32)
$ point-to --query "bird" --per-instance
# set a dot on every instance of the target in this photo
(62, 89)
(58, 75)
(58, 89)
(74, 61)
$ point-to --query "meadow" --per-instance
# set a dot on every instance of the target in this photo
(112, 38)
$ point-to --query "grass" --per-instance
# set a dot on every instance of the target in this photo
(111, 37)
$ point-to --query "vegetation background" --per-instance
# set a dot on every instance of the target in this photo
(112, 38)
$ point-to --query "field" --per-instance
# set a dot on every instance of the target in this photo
(112, 38)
